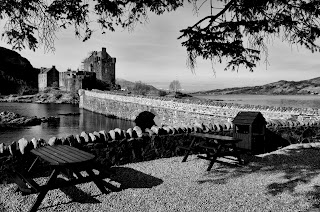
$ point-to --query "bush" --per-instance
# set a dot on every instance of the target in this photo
(141, 88)
(58, 95)
(162, 93)
(26, 90)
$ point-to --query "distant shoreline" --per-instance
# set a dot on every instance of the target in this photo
(46, 97)
(62, 97)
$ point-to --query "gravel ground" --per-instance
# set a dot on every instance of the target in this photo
(285, 180)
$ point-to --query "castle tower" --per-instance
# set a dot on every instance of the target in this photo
(108, 67)
(102, 64)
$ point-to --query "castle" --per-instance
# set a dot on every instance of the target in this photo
(99, 66)
(102, 64)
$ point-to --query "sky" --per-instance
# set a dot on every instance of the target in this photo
(151, 53)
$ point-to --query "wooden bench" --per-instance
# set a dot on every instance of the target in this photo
(217, 146)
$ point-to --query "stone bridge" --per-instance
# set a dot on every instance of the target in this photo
(170, 111)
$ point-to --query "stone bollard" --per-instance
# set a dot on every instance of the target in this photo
(149, 131)
(155, 129)
(34, 142)
(119, 131)
(131, 133)
(112, 134)
(23, 143)
(13, 148)
(98, 136)
(80, 139)
(93, 139)
(71, 140)
(104, 137)
(167, 129)
(1, 148)
(85, 136)
(138, 131)
(52, 141)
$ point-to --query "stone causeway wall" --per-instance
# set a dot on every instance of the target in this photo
(176, 112)
(168, 111)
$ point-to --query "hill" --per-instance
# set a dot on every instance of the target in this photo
(17, 75)
(125, 83)
(311, 86)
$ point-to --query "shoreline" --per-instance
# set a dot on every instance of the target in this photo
(49, 96)
(11, 120)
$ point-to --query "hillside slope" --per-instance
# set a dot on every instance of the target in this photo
(17, 75)
(311, 86)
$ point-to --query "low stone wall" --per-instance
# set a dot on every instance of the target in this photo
(118, 147)
(115, 147)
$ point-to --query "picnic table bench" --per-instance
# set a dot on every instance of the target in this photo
(214, 146)
(63, 159)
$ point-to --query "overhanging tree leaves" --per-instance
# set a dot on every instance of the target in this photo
(222, 35)
(235, 31)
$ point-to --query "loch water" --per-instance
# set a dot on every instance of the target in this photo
(73, 120)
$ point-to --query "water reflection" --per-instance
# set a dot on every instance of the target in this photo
(68, 124)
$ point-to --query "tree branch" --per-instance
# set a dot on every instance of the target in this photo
(211, 17)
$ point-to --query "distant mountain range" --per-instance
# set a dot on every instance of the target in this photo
(311, 86)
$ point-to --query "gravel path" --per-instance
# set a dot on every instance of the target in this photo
(285, 180)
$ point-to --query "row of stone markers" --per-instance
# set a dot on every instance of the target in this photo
(278, 123)
(21, 146)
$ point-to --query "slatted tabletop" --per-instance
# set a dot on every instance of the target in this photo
(66, 160)
(220, 138)
(62, 155)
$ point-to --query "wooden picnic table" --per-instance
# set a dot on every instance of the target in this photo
(64, 159)
(214, 146)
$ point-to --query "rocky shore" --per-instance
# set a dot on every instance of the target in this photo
(47, 96)
(11, 120)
